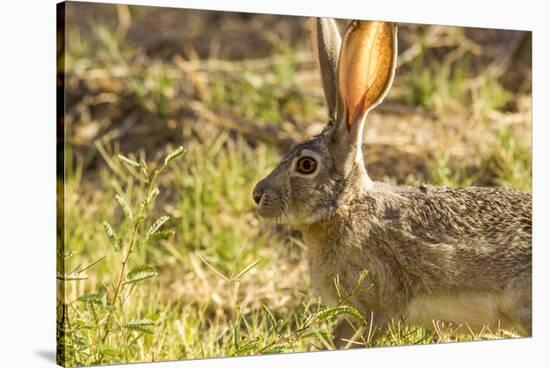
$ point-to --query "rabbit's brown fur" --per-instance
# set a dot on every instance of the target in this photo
(432, 253)
(429, 245)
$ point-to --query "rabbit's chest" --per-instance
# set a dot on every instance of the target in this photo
(322, 275)
(333, 261)
(326, 274)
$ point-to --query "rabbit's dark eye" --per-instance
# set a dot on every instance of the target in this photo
(306, 165)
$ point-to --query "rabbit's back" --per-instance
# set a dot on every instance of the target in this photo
(475, 237)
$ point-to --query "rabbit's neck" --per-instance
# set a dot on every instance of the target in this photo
(343, 227)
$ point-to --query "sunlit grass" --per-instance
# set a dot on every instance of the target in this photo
(445, 88)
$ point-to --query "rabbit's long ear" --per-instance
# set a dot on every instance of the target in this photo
(326, 42)
(365, 70)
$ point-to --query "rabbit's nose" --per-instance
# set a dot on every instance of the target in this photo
(258, 192)
(257, 197)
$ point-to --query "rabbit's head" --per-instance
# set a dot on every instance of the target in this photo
(315, 175)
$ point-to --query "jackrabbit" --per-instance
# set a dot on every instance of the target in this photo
(461, 256)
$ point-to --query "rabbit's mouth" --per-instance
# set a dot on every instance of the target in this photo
(272, 209)
(272, 216)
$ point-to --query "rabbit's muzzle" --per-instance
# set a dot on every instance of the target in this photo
(267, 200)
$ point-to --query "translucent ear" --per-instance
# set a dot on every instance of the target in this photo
(326, 42)
(365, 69)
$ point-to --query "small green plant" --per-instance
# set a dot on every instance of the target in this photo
(268, 94)
(311, 325)
(492, 95)
(439, 87)
(506, 162)
(270, 334)
(153, 86)
(85, 335)
(443, 172)
(509, 161)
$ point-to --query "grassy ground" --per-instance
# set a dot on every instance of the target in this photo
(190, 271)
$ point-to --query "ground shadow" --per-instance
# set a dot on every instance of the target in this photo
(47, 355)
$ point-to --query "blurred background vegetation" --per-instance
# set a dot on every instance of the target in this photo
(236, 90)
